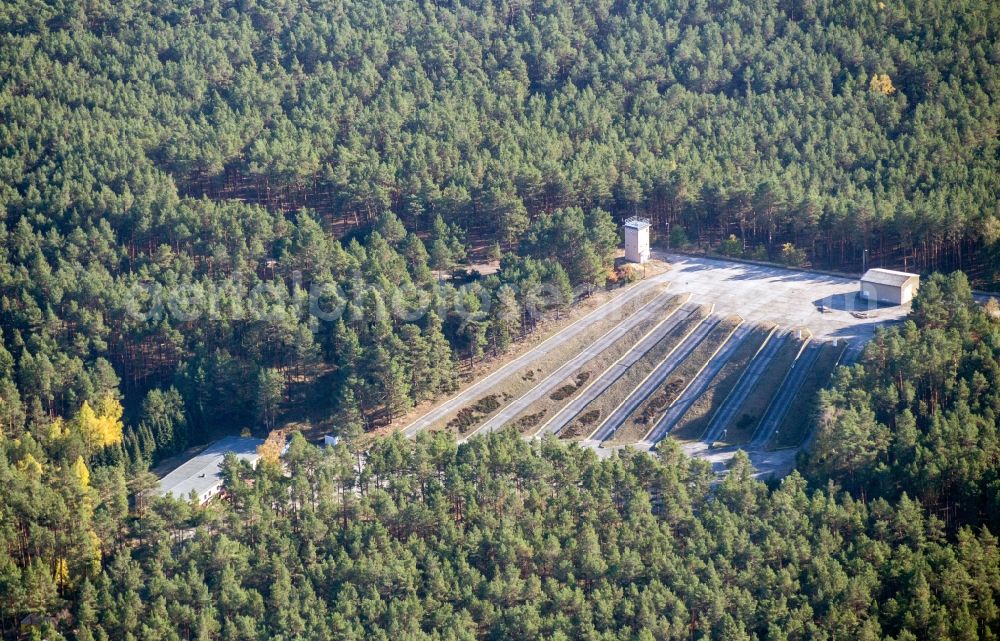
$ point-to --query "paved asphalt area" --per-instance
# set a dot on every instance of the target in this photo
(786, 297)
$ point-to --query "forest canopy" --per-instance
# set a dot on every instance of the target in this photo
(838, 127)
(217, 216)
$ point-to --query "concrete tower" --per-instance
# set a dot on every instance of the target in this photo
(636, 240)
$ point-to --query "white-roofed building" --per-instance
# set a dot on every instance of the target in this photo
(889, 286)
(203, 471)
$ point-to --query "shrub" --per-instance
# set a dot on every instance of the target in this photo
(792, 255)
(731, 246)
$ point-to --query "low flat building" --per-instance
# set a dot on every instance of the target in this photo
(889, 286)
(202, 473)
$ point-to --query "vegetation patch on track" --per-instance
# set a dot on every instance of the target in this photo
(469, 416)
(529, 421)
(624, 385)
(644, 418)
(582, 426)
(569, 389)
(698, 417)
(795, 424)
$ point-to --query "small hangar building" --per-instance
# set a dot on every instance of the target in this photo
(202, 473)
(889, 286)
(636, 240)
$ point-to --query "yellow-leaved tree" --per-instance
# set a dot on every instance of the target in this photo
(270, 450)
(30, 467)
(61, 573)
(882, 83)
(101, 426)
(80, 470)
(57, 430)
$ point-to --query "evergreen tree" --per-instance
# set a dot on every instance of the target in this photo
(388, 384)
(270, 391)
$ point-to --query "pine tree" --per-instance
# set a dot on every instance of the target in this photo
(388, 383)
(270, 391)
(391, 228)
(348, 417)
(441, 258)
(562, 290)
(163, 414)
(505, 318)
(345, 348)
(439, 353)
(416, 362)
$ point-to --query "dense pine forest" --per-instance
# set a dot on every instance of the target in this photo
(838, 126)
(225, 216)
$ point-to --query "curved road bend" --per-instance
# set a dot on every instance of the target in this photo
(659, 374)
(610, 375)
(567, 369)
(483, 386)
(687, 398)
(789, 388)
(724, 415)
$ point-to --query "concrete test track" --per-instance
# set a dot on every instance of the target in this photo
(484, 385)
(609, 376)
(550, 382)
(783, 399)
(691, 393)
(725, 414)
(606, 429)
